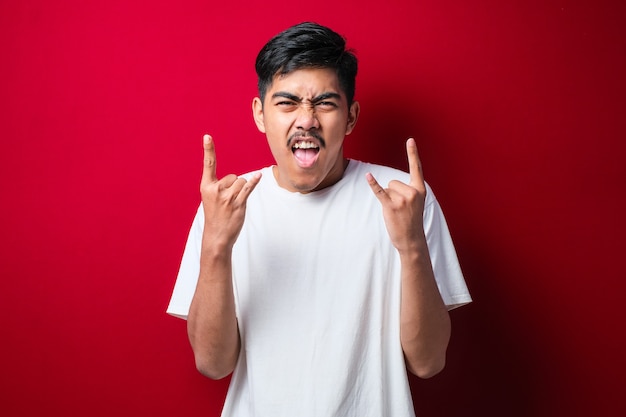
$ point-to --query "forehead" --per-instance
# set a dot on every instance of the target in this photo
(307, 83)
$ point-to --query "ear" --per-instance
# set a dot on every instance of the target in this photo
(353, 116)
(257, 114)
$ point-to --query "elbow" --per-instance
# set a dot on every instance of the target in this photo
(214, 363)
(425, 354)
(428, 369)
(214, 358)
(211, 370)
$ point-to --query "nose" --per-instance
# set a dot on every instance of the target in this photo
(306, 118)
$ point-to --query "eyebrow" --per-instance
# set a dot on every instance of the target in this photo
(321, 97)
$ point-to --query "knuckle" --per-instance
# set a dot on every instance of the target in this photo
(209, 161)
(205, 187)
(207, 190)
(226, 199)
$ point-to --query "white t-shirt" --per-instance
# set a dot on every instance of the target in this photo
(317, 293)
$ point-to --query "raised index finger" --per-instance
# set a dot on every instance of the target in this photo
(415, 165)
(208, 170)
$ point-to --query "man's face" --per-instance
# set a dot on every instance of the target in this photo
(305, 117)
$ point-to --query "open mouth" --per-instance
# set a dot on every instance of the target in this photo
(305, 152)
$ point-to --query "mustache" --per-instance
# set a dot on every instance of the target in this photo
(306, 134)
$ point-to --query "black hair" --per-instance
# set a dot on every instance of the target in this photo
(307, 45)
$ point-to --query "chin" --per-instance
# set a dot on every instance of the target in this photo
(305, 184)
(304, 187)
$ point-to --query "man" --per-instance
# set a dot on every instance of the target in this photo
(318, 287)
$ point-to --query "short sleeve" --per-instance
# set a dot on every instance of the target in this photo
(443, 255)
(189, 270)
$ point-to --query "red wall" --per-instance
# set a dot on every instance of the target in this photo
(519, 108)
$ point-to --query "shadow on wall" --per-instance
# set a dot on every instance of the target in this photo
(388, 118)
(491, 367)
(492, 363)
(381, 132)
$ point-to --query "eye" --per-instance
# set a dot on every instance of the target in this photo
(286, 104)
(326, 105)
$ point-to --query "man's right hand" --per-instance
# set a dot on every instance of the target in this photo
(224, 201)
(212, 321)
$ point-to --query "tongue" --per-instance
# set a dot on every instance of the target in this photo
(305, 157)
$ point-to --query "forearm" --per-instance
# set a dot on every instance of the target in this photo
(424, 319)
(212, 323)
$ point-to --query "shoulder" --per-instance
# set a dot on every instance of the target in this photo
(264, 171)
(382, 173)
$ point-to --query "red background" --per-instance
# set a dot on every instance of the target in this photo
(519, 108)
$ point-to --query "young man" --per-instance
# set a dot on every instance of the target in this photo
(318, 287)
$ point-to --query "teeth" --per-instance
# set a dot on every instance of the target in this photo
(305, 145)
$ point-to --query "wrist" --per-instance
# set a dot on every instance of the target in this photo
(415, 247)
(215, 251)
